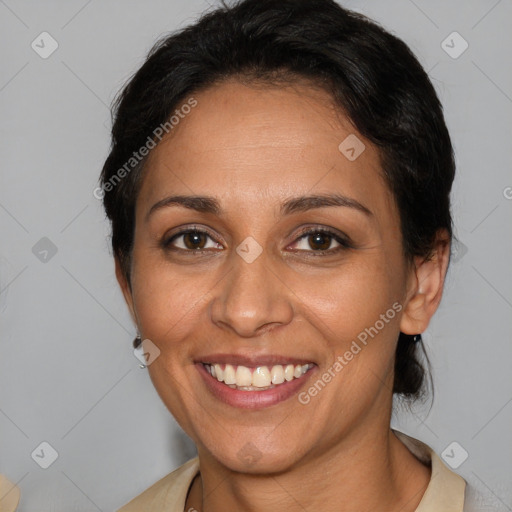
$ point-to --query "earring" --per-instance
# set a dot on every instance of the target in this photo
(416, 338)
(137, 342)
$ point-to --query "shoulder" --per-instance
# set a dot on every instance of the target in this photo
(446, 489)
(9, 495)
(169, 493)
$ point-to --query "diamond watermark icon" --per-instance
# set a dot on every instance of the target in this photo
(249, 453)
(454, 45)
(44, 250)
(44, 45)
(146, 352)
(351, 147)
(249, 249)
(454, 455)
(44, 455)
(459, 250)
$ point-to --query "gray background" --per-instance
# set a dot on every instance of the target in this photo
(67, 372)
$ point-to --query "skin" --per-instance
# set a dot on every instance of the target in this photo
(253, 147)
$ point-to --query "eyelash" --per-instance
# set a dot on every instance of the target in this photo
(344, 242)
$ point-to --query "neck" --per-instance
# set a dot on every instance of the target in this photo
(369, 472)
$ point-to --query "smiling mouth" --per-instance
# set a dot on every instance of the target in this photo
(260, 378)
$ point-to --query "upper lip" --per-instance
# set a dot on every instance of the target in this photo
(251, 360)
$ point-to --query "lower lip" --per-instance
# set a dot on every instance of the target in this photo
(252, 399)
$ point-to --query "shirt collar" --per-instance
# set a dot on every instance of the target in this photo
(446, 489)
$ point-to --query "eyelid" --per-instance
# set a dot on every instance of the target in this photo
(345, 239)
(183, 230)
(342, 239)
(180, 230)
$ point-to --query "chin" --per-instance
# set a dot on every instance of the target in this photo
(252, 462)
(257, 456)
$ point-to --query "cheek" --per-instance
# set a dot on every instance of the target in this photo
(349, 298)
(355, 312)
(166, 298)
(167, 302)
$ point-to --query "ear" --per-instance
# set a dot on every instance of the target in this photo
(125, 288)
(425, 287)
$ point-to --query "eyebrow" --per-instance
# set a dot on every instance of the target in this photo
(207, 204)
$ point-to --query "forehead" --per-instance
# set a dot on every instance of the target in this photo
(249, 142)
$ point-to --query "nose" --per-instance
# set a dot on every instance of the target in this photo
(252, 298)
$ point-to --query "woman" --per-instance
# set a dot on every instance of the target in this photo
(278, 187)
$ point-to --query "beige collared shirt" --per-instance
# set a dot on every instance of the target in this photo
(445, 492)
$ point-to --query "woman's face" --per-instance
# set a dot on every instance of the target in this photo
(272, 278)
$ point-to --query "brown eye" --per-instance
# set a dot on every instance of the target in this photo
(194, 240)
(191, 240)
(319, 241)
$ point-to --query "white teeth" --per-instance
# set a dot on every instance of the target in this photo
(219, 372)
(229, 375)
(277, 374)
(243, 376)
(288, 372)
(260, 378)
